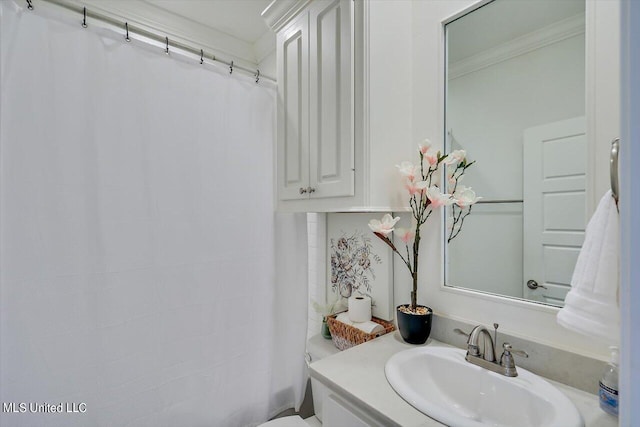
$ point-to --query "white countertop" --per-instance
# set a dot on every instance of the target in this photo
(358, 374)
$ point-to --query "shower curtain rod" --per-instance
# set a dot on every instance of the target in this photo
(128, 28)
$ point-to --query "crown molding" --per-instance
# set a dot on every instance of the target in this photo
(280, 12)
(546, 36)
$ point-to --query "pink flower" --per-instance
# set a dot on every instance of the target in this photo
(405, 234)
(432, 157)
(424, 147)
(438, 198)
(411, 188)
(385, 226)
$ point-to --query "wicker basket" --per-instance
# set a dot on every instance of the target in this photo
(346, 336)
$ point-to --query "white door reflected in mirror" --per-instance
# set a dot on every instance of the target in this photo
(554, 205)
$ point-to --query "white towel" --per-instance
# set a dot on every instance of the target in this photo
(591, 306)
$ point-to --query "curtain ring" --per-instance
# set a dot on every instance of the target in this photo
(201, 57)
(29, 5)
(126, 27)
(166, 49)
(84, 17)
(231, 68)
(258, 76)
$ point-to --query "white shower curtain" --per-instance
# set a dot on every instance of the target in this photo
(138, 239)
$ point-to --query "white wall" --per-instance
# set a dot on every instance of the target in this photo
(487, 113)
(389, 115)
(629, 213)
(487, 110)
(267, 65)
(487, 255)
(317, 235)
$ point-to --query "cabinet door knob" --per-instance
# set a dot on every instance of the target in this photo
(532, 284)
(311, 190)
(303, 190)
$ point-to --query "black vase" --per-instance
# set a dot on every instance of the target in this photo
(414, 328)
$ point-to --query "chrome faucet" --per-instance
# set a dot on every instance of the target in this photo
(481, 351)
(480, 344)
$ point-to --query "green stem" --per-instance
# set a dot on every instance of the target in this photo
(461, 219)
(414, 273)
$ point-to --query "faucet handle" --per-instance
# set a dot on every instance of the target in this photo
(509, 350)
(473, 350)
(461, 332)
(506, 360)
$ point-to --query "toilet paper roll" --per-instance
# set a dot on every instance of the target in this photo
(344, 318)
(360, 308)
(369, 327)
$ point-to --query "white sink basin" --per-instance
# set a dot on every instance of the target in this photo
(440, 383)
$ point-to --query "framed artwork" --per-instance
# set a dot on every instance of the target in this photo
(358, 263)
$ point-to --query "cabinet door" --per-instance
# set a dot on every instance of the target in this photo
(338, 413)
(292, 49)
(331, 139)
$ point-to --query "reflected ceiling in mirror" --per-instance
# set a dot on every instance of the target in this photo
(515, 102)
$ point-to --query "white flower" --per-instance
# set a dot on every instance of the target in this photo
(465, 196)
(438, 198)
(408, 169)
(424, 147)
(385, 226)
(454, 157)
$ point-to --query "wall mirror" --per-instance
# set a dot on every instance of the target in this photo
(515, 101)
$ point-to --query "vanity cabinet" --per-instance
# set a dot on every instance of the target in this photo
(343, 118)
(338, 412)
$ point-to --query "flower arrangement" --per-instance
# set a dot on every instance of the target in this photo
(425, 195)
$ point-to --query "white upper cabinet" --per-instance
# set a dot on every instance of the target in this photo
(331, 136)
(293, 110)
(315, 141)
(343, 116)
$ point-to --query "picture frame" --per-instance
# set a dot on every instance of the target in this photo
(358, 263)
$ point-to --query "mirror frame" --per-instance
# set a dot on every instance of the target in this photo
(531, 321)
(461, 289)
(446, 140)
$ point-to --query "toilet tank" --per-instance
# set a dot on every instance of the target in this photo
(318, 348)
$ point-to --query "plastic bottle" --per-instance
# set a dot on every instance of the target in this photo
(608, 391)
